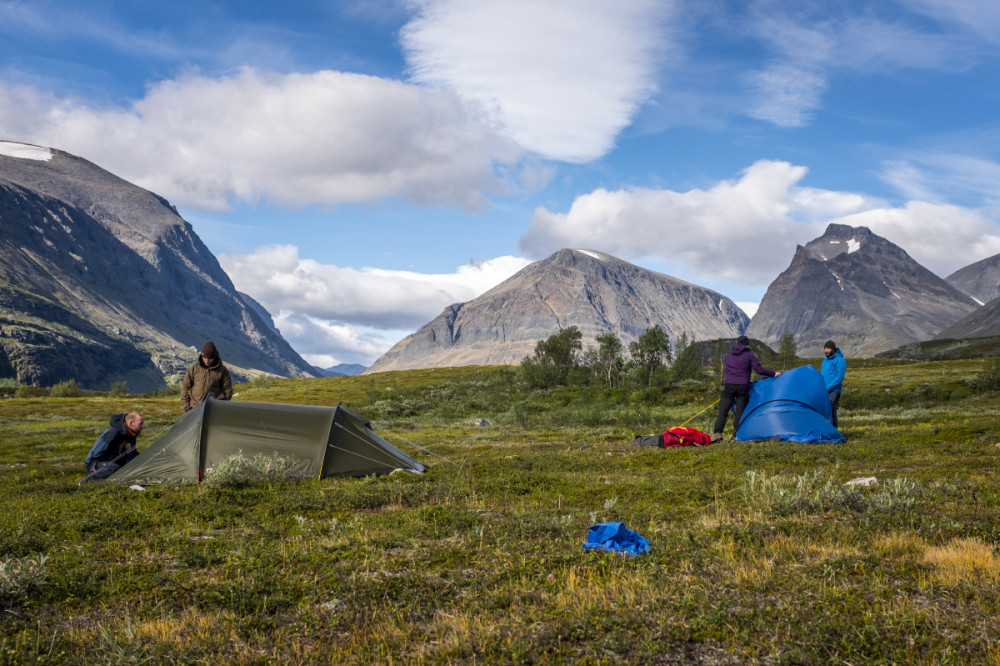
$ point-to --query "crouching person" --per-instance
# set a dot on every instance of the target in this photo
(115, 446)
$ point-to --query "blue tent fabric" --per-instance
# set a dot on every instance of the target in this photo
(794, 407)
(615, 537)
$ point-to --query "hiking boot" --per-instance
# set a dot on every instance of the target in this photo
(716, 437)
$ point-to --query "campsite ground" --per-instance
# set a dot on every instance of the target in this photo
(759, 554)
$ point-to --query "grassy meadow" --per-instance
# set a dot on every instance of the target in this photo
(759, 551)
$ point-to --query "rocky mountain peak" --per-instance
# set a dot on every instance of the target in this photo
(859, 289)
(839, 239)
(594, 291)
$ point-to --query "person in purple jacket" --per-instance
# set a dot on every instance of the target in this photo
(736, 385)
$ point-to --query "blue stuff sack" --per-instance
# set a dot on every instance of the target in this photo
(615, 537)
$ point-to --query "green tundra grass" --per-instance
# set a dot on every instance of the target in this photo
(760, 553)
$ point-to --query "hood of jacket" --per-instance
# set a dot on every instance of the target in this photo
(216, 362)
(118, 423)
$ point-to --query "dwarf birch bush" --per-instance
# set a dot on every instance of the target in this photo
(818, 491)
(66, 389)
(239, 470)
(19, 577)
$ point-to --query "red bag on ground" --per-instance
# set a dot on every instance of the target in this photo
(681, 436)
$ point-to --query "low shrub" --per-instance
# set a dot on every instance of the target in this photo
(21, 577)
(818, 491)
(988, 378)
(66, 389)
(239, 470)
(118, 390)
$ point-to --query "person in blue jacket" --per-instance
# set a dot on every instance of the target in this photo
(739, 364)
(115, 446)
(833, 371)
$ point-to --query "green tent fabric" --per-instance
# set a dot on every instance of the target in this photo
(318, 442)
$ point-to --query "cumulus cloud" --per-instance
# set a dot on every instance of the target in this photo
(562, 76)
(282, 281)
(325, 344)
(746, 229)
(290, 139)
(351, 315)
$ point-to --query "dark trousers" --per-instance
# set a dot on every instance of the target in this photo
(735, 397)
(834, 402)
(103, 471)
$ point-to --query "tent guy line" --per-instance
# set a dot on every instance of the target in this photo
(416, 446)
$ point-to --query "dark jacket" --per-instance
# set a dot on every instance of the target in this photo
(113, 442)
(739, 363)
(201, 381)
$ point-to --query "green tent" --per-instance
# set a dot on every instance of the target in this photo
(319, 442)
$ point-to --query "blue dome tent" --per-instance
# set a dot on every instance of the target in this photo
(794, 407)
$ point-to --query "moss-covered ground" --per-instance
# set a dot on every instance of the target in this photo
(759, 552)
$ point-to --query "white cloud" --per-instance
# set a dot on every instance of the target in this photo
(563, 76)
(325, 343)
(746, 230)
(739, 229)
(353, 315)
(283, 282)
(296, 139)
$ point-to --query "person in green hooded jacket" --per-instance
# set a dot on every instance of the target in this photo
(206, 377)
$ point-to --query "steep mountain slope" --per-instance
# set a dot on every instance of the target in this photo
(102, 281)
(980, 280)
(860, 290)
(984, 322)
(593, 291)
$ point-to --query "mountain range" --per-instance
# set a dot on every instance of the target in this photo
(102, 281)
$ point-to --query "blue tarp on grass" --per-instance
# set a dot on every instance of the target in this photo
(616, 538)
(794, 407)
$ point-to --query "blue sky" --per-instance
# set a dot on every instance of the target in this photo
(359, 165)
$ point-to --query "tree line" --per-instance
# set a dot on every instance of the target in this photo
(649, 361)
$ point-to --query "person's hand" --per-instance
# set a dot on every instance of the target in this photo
(777, 374)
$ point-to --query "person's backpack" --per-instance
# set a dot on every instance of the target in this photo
(674, 437)
(681, 436)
